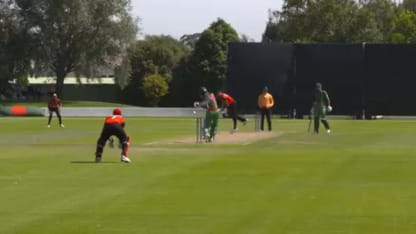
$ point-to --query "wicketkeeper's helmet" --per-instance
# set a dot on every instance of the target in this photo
(117, 111)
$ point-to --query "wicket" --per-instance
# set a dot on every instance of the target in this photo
(199, 129)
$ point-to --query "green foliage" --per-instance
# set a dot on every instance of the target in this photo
(153, 55)
(78, 35)
(14, 47)
(210, 54)
(207, 65)
(405, 28)
(246, 38)
(384, 13)
(155, 87)
(343, 21)
(189, 40)
(409, 5)
(157, 54)
(123, 72)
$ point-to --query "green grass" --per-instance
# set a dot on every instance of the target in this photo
(359, 179)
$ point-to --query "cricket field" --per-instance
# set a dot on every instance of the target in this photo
(359, 179)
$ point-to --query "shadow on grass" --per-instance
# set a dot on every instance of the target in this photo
(92, 162)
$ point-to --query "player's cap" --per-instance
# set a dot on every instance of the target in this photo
(117, 111)
(54, 94)
(204, 90)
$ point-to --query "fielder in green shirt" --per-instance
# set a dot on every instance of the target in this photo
(321, 106)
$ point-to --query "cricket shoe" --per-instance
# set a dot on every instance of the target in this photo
(207, 137)
(97, 159)
(62, 125)
(125, 159)
(245, 122)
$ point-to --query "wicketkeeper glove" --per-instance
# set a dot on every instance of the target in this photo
(111, 142)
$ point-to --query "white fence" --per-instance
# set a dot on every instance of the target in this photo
(131, 111)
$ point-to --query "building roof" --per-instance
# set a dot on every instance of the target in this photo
(72, 80)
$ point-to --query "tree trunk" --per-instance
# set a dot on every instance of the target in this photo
(59, 86)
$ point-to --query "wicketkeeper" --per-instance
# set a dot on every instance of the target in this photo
(114, 126)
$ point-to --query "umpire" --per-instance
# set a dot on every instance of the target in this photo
(265, 103)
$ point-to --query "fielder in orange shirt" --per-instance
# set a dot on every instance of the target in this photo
(54, 105)
(113, 126)
(231, 104)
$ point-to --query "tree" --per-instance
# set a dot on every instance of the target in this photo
(287, 25)
(153, 55)
(207, 64)
(122, 72)
(405, 28)
(409, 5)
(189, 40)
(384, 13)
(246, 38)
(344, 21)
(154, 88)
(331, 20)
(157, 54)
(210, 54)
(78, 35)
(14, 46)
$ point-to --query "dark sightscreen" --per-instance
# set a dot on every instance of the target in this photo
(251, 66)
(390, 79)
(338, 67)
(377, 78)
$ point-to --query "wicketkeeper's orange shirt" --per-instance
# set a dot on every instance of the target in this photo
(115, 119)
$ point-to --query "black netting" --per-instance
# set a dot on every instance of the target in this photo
(389, 76)
(338, 67)
(251, 66)
(371, 77)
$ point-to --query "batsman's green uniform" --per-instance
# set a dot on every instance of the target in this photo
(212, 114)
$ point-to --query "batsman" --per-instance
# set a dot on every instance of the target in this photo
(212, 115)
(320, 107)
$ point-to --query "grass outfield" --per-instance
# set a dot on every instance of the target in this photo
(359, 179)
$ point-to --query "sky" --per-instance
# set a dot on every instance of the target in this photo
(179, 17)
